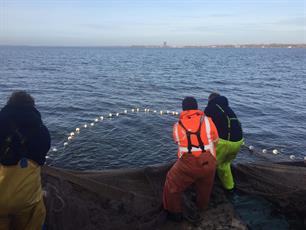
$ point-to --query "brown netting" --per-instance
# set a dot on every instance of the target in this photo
(282, 183)
(123, 199)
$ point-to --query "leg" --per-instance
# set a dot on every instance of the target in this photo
(204, 184)
(176, 182)
(30, 218)
(5, 223)
(224, 160)
(226, 153)
(225, 175)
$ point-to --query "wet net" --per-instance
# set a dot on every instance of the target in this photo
(277, 179)
(283, 183)
(132, 198)
(124, 199)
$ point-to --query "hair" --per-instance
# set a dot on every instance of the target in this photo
(213, 96)
(21, 98)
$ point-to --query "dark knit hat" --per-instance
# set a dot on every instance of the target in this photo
(189, 103)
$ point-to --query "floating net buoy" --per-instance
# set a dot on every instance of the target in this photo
(251, 148)
(275, 151)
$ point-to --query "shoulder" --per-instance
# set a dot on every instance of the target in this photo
(5, 112)
(210, 110)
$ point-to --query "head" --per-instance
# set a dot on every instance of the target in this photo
(213, 96)
(189, 103)
(21, 98)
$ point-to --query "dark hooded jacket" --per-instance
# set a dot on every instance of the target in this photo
(228, 126)
(22, 135)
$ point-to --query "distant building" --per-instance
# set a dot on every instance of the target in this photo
(165, 44)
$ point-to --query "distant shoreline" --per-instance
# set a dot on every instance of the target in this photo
(272, 45)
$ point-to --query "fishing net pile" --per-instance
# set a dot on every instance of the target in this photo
(283, 183)
(123, 199)
(132, 198)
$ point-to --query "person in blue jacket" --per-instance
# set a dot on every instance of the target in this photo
(24, 143)
(230, 136)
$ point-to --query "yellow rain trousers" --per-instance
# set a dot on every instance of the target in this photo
(21, 202)
(226, 153)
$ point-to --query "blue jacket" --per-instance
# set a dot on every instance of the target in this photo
(228, 126)
(22, 135)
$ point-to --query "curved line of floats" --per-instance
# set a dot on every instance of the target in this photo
(101, 118)
(73, 134)
(252, 149)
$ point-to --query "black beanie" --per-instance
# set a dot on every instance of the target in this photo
(189, 103)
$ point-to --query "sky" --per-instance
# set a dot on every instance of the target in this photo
(151, 22)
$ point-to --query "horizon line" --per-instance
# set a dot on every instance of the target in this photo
(237, 45)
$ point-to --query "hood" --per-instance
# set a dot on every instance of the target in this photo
(220, 100)
(21, 115)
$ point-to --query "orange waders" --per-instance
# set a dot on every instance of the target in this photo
(186, 171)
(196, 136)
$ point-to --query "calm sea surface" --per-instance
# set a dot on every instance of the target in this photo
(73, 86)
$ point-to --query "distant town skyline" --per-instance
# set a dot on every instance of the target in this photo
(151, 22)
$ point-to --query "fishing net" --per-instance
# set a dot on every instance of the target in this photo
(132, 198)
(123, 199)
(282, 183)
(278, 178)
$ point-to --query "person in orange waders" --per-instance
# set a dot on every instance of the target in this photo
(196, 136)
(24, 142)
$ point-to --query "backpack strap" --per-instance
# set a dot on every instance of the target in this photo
(197, 133)
(228, 121)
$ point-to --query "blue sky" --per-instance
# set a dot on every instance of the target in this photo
(150, 22)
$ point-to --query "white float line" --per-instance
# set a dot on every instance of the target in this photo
(274, 152)
(111, 115)
(161, 112)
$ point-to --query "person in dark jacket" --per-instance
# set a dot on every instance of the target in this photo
(230, 136)
(24, 143)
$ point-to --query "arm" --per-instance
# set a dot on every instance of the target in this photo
(174, 133)
(215, 135)
(208, 111)
(4, 129)
(39, 145)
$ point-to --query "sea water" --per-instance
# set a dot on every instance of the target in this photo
(74, 86)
